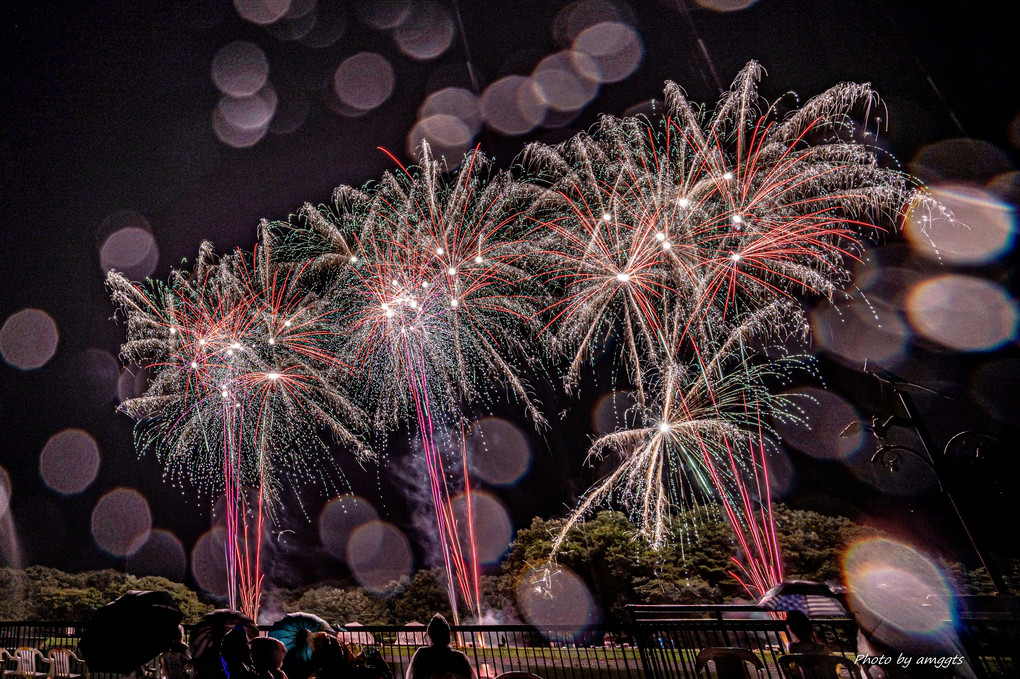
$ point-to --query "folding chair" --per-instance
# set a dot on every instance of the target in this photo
(730, 663)
(818, 666)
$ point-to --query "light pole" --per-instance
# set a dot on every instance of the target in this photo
(886, 452)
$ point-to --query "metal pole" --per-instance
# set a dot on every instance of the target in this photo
(937, 466)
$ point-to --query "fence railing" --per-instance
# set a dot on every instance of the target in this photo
(599, 651)
(41, 635)
(662, 642)
(670, 637)
(989, 629)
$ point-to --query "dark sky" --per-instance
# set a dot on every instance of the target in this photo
(107, 113)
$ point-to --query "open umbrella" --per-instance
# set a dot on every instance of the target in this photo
(130, 631)
(295, 630)
(814, 599)
(207, 636)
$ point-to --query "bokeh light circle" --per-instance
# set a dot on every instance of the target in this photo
(426, 32)
(447, 136)
(962, 312)
(69, 462)
(162, 554)
(299, 20)
(383, 14)
(552, 595)
(782, 475)
(132, 383)
(492, 528)
(725, 5)
(512, 105)
(981, 227)
(379, 555)
(291, 115)
(574, 18)
(893, 584)
(364, 81)
(859, 331)
(614, 51)
(563, 80)
(208, 562)
(5, 492)
(240, 69)
(823, 417)
(499, 451)
(340, 518)
(261, 12)
(249, 113)
(28, 339)
(234, 135)
(100, 372)
(330, 25)
(458, 102)
(121, 521)
(961, 159)
(132, 251)
(894, 473)
(613, 412)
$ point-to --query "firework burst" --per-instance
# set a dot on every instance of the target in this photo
(244, 380)
(437, 306)
(687, 442)
(686, 239)
(733, 209)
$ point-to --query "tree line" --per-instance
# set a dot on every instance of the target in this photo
(616, 565)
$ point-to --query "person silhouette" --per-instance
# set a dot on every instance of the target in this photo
(267, 656)
(798, 626)
(331, 657)
(235, 655)
(438, 660)
(175, 662)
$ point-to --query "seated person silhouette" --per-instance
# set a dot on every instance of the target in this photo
(798, 626)
(330, 657)
(438, 660)
(267, 656)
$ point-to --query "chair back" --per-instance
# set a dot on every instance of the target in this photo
(730, 663)
(60, 663)
(816, 666)
(26, 659)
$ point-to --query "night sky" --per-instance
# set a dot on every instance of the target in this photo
(110, 114)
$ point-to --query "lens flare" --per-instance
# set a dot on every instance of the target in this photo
(894, 584)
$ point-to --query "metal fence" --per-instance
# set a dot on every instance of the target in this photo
(599, 651)
(670, 637)
(989, 629)
(41, 635)
(662, 642)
